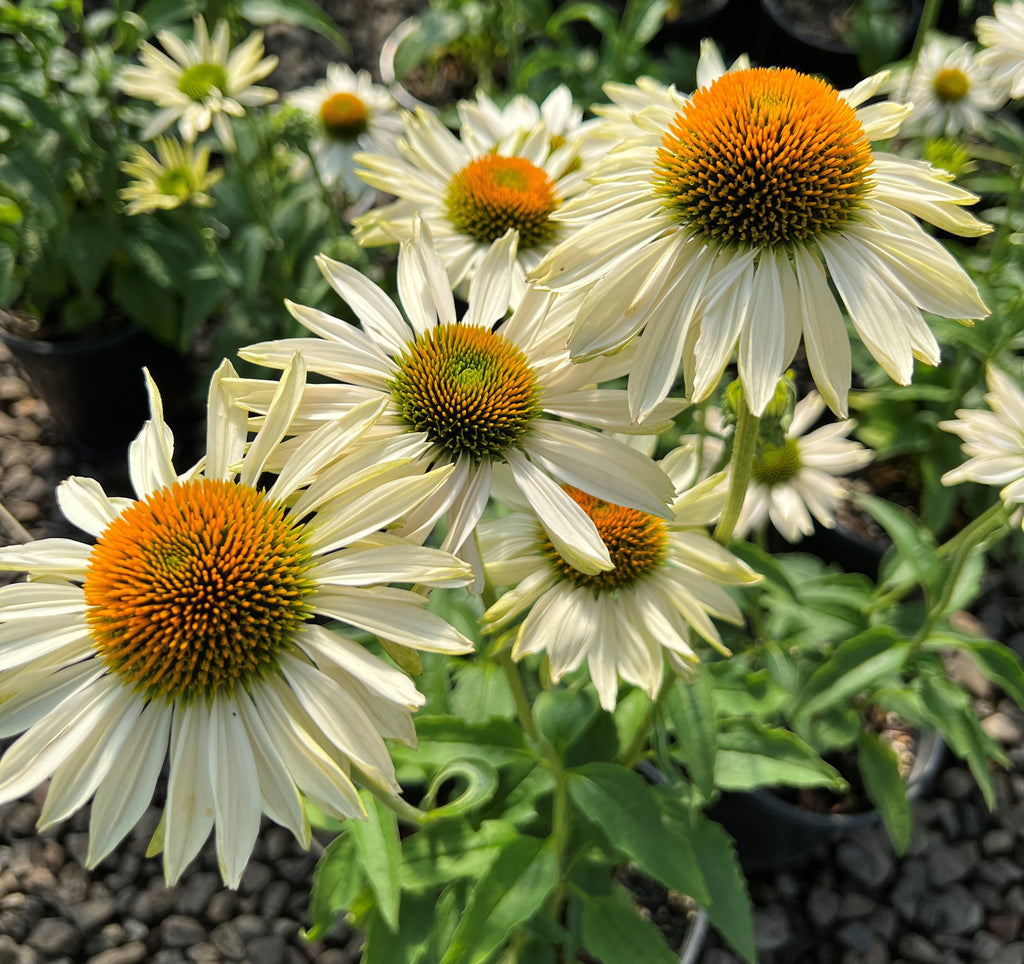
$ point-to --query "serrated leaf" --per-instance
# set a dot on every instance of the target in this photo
(854, 666)
(879, 768)
(997, 662)
(380, 853)
(614, 931)
(511, 892)
(729, 907)
(751, 755)
(440, 853)
(481, 691)
(336, 881)
(691, 708)
(480, 780)
(914, 543)
(626, 811)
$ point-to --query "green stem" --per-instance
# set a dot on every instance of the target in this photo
(325, 194)
(630, 757)
(515, 684)
(929, 16)
(401, 809)
(742, 463)
(1001, 240)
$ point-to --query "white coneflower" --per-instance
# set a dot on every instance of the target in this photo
(723, 228)
(199, 83)
(179, 174)
(1003, 37)
(190, 629)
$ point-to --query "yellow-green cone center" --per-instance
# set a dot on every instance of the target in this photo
(951, 84)
(636, 542)
(494, 193)
(198, 80)
(177, 182)
(776, 464)
(196, 589)
(763, 158)
(344, 116)
(469, 389)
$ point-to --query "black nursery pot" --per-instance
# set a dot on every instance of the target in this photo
(95, 388)
(772, 834)
(796, 34)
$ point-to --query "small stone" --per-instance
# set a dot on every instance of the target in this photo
(997, 842)
(296, 870)
(153, 904)
(226, 939)
(55, 936)
(275, 897)
(1002, 728)
(1015, 899)
(957, 911)
(335, 956)
(91, 915)
(112, 935)
(854, 905)
(285, 927)
(194, 899)
(868, 859)
(250, 926)
(857, 936)
(771, 927)
(1001, 871)
(822, 907)
(266, 950)
(222, 907)
(951, 863)
(1005, 926)
(203, 953)
(131, 953)
(919, 949)
(38, 880)
(1011, 954)
(885, 922)
(957, 783)
(255, 878)
(276, 842)
(8, 950)
(168, 956)
(985, 945)
(177, 930)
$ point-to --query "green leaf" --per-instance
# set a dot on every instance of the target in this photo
(512, 891)
(336, 881)
(481, 691)
(614, 931)
(380, 853)
(446, 738)
(626, 811)
(997, 662)
(729, 906)
(691, 708)
(480, 780)
(914, 544)
(90, 242)
(435, 855)
(854, 667)
(598, 16)
(751, 755)
(563, 715)
(295, 13)
(950, 711)
(428, 922)
(885, 788)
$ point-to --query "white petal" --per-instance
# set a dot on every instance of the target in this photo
(188, 814)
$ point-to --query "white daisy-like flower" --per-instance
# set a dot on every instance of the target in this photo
(993, 440)
(794, 481)
(191, 629)
(354, 114)
(482, 391)
(200, 82)
(484, 124)
(179, 174)
(1002, 35)
(719, 226)
(470, 194)
(950, 90)
(667, 579)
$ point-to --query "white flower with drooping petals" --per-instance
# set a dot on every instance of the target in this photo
(1002, 35)
(950, 90)
(667, 579)
(191, 630)
(199, 83)
(993, 440)
(720, 229)
(470, 194)
(480, 391)
(792, 483)
(354, 114)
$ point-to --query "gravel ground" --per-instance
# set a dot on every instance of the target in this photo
(958, 896)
